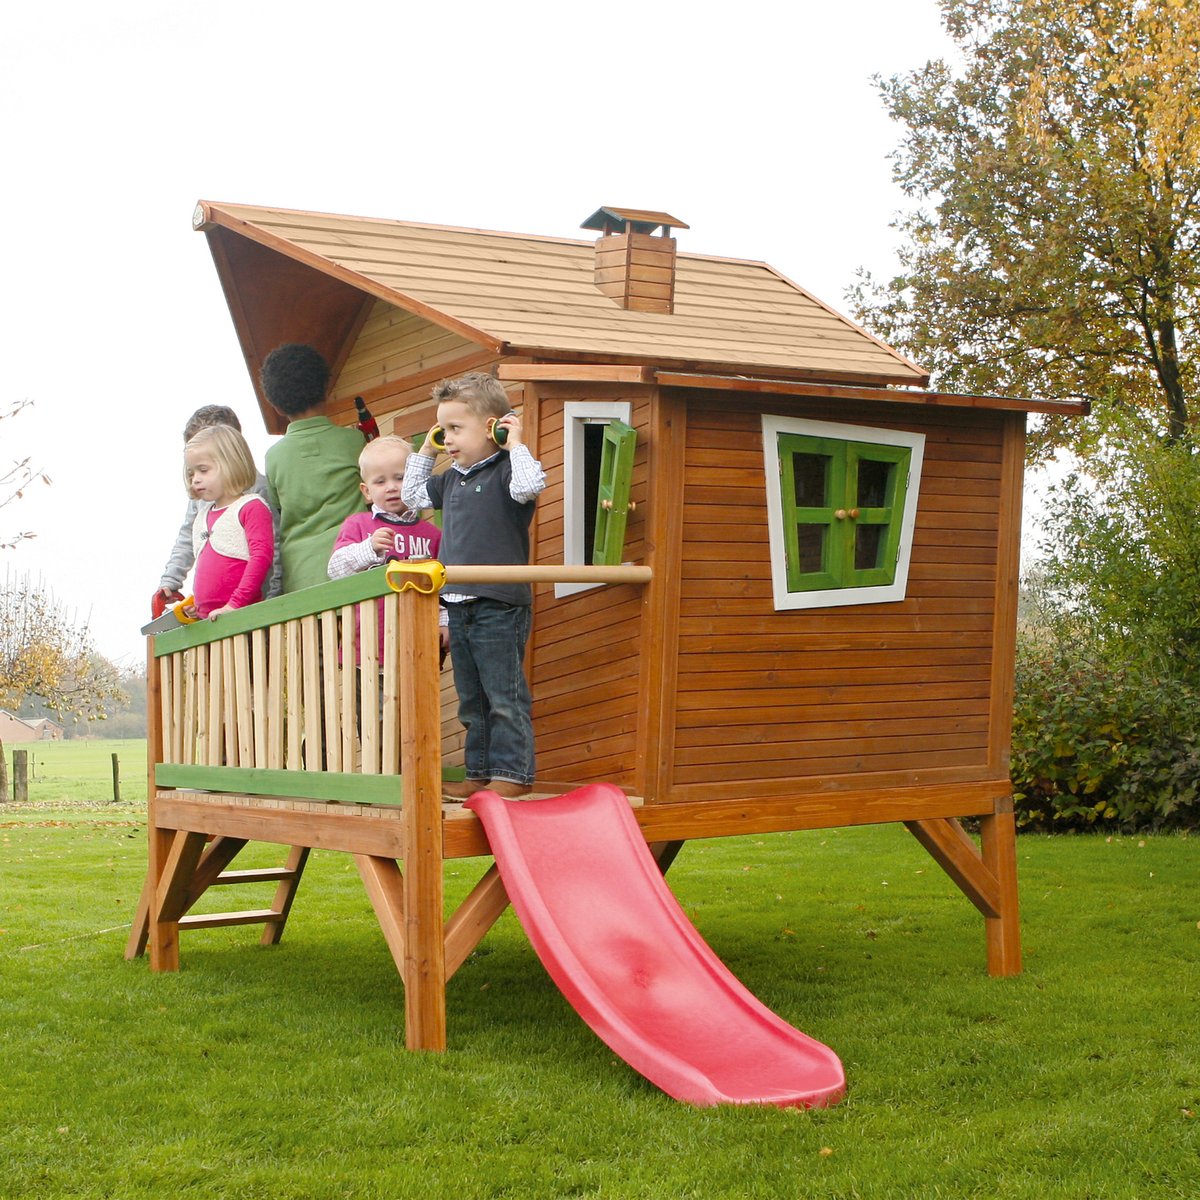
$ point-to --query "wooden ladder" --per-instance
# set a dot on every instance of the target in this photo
(209, 870)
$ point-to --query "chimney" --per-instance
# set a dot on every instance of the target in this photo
(633, 266)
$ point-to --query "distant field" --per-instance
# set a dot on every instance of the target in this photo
(81, 770)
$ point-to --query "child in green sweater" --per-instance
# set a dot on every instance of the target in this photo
(312, 472)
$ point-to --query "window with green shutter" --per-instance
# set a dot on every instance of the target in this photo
(841, 508)
(598, 446)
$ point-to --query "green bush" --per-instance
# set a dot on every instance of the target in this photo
(1108, 659)
(1102, 739)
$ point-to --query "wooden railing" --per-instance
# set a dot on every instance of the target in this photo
(300, 696)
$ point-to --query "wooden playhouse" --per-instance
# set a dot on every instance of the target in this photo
(803, 614)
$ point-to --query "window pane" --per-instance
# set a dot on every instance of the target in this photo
(811, 475)
(868, 543)
(593, 453)
(810, 541)
(873, 482)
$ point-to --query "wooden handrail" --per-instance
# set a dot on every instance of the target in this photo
(559, 573)
(368, 585)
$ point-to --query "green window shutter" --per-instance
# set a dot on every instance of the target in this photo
(612, 498)
(842, 507)
(812, 472)
(876, 486)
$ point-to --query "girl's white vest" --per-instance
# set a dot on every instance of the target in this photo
(227, 536)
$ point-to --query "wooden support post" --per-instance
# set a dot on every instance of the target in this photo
(999, 835)
(421, 772)
(116, 768)
(988, 878)
(179, 853)
(139, 932)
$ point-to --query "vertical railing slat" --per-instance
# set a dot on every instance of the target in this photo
(295, 691)
(276, 684)
(230, 727)
(332, 667)
(349, 654)
(259, 691)
(368, 682)
(311, 668)
(166, 669)
(177, 732)
(390, 681)
(214, 745)
(243, 700)
(200, 676)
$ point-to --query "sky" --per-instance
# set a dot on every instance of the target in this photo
(759, 126)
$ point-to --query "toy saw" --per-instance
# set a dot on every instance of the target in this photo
(173, 618)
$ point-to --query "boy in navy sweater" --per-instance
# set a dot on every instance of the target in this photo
(487, 499)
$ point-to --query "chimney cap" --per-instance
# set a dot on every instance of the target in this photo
(638, 220)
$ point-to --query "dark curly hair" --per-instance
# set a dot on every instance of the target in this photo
(294, 378)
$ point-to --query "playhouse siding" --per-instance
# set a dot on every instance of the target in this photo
(393, 346)
(894, 694)
(585, 651)
(393, 364)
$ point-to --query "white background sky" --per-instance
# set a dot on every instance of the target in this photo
(755, 123)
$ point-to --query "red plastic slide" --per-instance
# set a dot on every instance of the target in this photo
(614, 939)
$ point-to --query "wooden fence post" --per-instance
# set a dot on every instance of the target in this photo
(116, 779)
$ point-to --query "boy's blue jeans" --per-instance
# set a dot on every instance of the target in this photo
(487, 650)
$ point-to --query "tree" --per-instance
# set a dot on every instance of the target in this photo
(15, 478)
(1121, 548)
(1057, 250)
(46, 654)
(124, 716)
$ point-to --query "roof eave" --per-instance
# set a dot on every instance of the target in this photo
(209, 214)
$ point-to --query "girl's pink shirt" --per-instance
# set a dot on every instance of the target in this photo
(222, 582)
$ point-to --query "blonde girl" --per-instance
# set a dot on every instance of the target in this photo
(232, 536)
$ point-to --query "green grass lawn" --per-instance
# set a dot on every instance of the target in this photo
(80, 770)
(281, 1073)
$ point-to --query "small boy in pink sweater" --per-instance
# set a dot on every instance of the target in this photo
(389, 529)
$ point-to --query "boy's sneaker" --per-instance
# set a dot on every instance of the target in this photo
(465, 789)
(508, 789)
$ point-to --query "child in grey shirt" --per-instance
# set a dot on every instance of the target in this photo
(182, 555)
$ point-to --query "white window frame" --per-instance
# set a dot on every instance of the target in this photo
(772, 426)
(577, 414)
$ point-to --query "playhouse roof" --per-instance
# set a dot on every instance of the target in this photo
(523, 294)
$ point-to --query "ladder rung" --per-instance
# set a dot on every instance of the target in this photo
(252, 916)
(265, 875)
